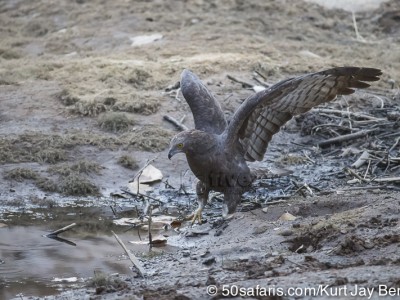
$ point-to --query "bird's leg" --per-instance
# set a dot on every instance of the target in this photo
(231, 201)
(202, 192)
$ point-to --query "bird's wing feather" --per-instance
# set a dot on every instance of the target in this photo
(206, 110)
(260, 116)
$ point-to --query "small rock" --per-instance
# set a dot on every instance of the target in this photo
(211, 280)
(287, 217)
(265, 209)
(296, 225)
(368, 244)
(12, 190)
(209, 261)
(204, 254)
(186, 253)
(286, 232)
(260, 229)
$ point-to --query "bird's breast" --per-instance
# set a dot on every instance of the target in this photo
(220, 171)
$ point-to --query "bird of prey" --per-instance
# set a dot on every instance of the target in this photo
(217, 150)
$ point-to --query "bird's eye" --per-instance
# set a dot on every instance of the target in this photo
(180, 146)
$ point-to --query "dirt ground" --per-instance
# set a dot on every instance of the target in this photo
(84, 86)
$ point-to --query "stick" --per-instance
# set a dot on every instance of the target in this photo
(144, 167)
(150, 236)
(61, 230)
(275, 202)
(346, 137)
(131, 256)
(348, 113)
(142, 195)
(386, 179)
(361, 160)
(351, 172)
(175, 122)
(245, 84)
(358, 36)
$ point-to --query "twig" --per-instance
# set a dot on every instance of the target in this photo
(394, 145)
(141, 195)
(275, 202)
(346, 113)
(361, 160)
(358, 36)
(356, 188)
(346, 137)
(175, 122)
(130, 255)
(150, 219)
(61, 230)
(244, 84)
(144, 167)
(387, 179)
(260, 74)
(351, 172)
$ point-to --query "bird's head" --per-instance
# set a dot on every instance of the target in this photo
(178, 144)
(191, 142)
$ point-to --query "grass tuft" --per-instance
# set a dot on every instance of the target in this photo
(76, 185)
(115, 121)
(127, 162)
(80, 167)
(20, 174)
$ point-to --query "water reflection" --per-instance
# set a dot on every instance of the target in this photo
(29, 257)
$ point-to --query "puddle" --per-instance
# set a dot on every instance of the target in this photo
(30, 263)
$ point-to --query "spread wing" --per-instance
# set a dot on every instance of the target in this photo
(206, 110)
(260, 116)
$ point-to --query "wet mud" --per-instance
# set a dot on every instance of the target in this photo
(84, 87)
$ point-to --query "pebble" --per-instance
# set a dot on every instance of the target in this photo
(286, 232)
(209, 261)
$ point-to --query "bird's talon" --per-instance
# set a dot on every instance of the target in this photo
(195, 216)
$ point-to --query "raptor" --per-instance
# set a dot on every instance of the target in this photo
(217, 151)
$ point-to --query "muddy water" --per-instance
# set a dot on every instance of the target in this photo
(31, 264)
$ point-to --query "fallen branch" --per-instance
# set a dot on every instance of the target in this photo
(276, 202)
(141, 195)
(150, 222)
(361, 160)
(244, 84)
(61, 230)
(130, 255)
(175, 122)
(346, 113)
(351, 172)
(346, 137)
(387, 179)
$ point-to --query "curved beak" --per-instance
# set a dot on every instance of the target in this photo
(172, 152)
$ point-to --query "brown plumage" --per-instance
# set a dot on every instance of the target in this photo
(217, 151)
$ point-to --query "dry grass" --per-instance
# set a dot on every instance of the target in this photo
(77, 185)
(46, 184)
(67, 98)
(115, 121)
(140, 104)
(127, 162)
(20, 174)
(105, 283)
(83, 166)
(53, 148)
(9, 54)
(50, 156)
(150, 138)
(292, 159)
